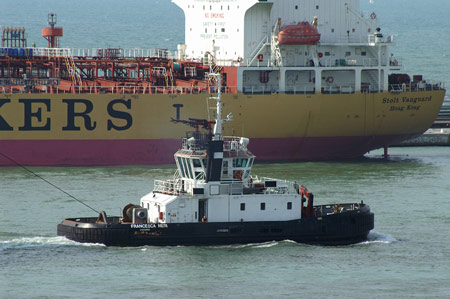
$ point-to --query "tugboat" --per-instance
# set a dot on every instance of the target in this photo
(214, 199)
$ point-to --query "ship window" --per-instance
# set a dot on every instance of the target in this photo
(348, 53)
(240, 162)
(263, 206)
(289, 205)
(296, 7)
(225, 169)
(197, 163)
(353, 30)
(250, 162)
(180, 163)
(242, 206)
(317, 6)
(327, 53)
(363, 53)
(332, 29)
(187, 165)
(206, 30)
(223, 29)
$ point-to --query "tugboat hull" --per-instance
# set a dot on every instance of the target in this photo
(337, 229)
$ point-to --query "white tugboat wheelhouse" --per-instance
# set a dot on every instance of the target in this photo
(213, 181)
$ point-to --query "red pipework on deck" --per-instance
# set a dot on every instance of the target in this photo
(14, 37)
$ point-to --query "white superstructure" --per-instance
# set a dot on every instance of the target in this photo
(213, 182)
(353, 54)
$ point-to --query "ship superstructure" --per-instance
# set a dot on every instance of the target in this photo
(315, 80)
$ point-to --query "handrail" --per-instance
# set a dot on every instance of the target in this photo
(252, 89)
(101, 52)
(257, 49)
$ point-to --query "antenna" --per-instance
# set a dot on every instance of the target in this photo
(219, 121)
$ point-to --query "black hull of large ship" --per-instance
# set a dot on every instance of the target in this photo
(337, 229)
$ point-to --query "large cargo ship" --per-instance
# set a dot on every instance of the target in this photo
(312, 80)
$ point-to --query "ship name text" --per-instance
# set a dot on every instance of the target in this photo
(397, 100)
(149, 225)
(37, 112)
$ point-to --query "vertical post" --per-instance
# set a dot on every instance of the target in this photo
(386, 154)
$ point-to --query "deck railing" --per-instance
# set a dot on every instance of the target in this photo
(249, 90)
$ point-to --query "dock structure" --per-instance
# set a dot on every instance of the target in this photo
(432, 137)
(438, 134)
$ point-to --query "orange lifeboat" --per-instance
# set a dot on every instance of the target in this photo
(301, 34)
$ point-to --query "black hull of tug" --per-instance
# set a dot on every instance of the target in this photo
(337, 229)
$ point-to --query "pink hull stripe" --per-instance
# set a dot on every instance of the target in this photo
(135, 152)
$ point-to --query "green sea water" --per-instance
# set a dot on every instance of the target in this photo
(407, 254)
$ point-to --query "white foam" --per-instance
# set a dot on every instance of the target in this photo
(375, 237)
(26, 242)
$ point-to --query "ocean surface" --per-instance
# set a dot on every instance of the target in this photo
(407, 254)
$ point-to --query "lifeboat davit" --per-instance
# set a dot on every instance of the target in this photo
(301, 34)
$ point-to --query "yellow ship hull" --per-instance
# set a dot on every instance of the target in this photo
(107, 129)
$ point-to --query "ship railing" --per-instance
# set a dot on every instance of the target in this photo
(428, 85)
(331, 209)
(369, 39)
(258, 48)
(114, 89)
(275, 186)
(365, 62)
(305, 89)
(105, 52)
(233, 143)
(171, 187)
(339, 89)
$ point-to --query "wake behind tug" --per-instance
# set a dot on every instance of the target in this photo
(213, 199)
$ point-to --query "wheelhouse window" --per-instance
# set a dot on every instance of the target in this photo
(225, 169)
(250, 162)
(181, 167)
(197, 163)
(187, 165)
(240, 162)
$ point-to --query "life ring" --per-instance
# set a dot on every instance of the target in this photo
(237, 174)
(330, 80)
(260, 57)
(320, 54)
(373, 15)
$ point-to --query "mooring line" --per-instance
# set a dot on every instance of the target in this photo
(48, 182)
